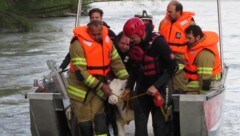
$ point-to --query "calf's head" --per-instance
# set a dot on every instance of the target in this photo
(117, 86)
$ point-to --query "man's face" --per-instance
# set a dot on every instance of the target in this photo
(135, 39)
(96, 16)
(171, 12)
(123, 44)
(191, 40)
(96, 33)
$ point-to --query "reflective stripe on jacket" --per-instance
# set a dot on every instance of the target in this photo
(208, 42)
(174, 32)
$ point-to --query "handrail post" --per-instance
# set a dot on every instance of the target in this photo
(77, 23)
(220, 31)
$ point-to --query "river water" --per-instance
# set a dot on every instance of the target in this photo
(23, 55)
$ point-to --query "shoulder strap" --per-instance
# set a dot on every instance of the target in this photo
(154, 37)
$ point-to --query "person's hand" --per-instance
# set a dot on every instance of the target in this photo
(158, 99)
(152, 90)
(126, 94)
(106, 89)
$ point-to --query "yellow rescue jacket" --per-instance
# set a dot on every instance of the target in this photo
(209, 43)
(97, 56)
(174, 32)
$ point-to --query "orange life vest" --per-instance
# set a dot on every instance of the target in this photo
(97, 56)
(209, 43)
(174, 32)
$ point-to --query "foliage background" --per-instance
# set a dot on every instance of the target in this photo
(19, 15)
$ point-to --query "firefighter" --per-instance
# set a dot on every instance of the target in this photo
(202, 60)
(92, 56)
(172, 28)
(94, 14)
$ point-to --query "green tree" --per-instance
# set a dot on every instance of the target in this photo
(19, 15)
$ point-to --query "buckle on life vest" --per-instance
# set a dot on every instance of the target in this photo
(178, 35)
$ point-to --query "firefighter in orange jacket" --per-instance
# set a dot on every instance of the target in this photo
(92, 56)
(94, 14)
(202, 60)
(172, 28)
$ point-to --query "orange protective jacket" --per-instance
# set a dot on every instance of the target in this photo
(97, 56)
(174, 32)
(209, 43)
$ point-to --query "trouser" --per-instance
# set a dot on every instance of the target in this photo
(176, 123)
(111, 117)
(142, 107)
(91, 116)
(179, 81)
(97, 127)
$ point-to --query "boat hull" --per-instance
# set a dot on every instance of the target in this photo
(202, 115)
(47, 114)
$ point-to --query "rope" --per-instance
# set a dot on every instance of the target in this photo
(166, 112)
(130, 98)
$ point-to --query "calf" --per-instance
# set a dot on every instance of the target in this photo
(124, 113)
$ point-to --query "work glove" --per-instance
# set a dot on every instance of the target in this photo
(158, 99)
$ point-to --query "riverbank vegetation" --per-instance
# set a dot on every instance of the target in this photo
(19, 15)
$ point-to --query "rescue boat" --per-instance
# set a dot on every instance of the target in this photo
(200, 115)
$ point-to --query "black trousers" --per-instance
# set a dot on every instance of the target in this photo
(176, 124)
(142, 107)
(111, 117)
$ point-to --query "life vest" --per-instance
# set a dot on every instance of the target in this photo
(97, 56)
(174, 32)
(209, 43)
(150, 64)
